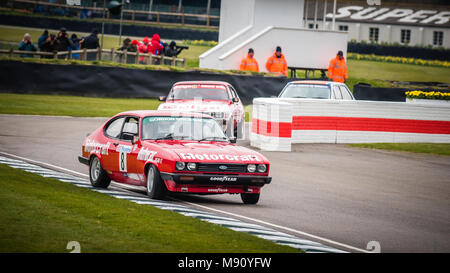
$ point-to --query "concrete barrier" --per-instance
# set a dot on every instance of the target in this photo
(277, 123)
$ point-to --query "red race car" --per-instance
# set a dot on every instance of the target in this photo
(172, 152)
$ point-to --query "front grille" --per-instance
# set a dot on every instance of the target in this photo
(215, 168)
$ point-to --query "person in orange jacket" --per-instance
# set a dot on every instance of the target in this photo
(337, 70)
(249, 63)
(277, 63)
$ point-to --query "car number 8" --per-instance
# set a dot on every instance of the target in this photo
(123, 161)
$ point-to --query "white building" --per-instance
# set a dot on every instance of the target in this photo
(412, 23)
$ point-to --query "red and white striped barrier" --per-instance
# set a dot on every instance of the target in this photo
(277, 122)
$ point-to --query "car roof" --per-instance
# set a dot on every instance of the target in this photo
(202, 82)
(312, 82)
(158, 113)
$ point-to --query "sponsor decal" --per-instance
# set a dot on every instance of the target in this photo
(218, 190)
(91, 145)
(196, 156)
(223, 167)
(124, 148)
(223, 179)
(199, 86)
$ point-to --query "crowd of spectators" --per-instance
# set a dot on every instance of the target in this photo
(50, 42)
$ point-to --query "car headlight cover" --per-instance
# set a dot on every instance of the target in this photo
(262, 168)
(191, 166)
(251, 168)
(179, 165)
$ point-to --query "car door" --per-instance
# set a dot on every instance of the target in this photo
(127, 152)
(112, 131)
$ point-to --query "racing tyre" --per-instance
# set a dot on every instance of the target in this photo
(250, 198)
(97, 174)
(156, 189)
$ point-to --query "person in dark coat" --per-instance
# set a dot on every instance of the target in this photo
(76, 45)
(63, 41)
(43, 38)
(27, 45)
(90, 42)
(49, 45)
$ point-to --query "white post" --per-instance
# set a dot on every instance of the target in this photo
(315, 14)
(120, 26)
(334, 16)
(208, 7)
(150, 7)
(103, 22)
(180, 4)
(324, 14)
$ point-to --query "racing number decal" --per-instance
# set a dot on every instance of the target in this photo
(123, 161)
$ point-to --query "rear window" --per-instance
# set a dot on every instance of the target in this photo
(306, 91)
(203, 92)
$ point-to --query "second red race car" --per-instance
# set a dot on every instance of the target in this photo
(172, 152)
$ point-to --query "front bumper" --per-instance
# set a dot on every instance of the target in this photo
(218, 179)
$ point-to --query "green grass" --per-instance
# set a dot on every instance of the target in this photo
(56, 105)
(42, 215)
(429, 148)
(71, 105)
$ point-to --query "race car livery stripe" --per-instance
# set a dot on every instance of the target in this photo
(271, 128)
(370, 124)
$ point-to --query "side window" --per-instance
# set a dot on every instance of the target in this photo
(233, 92)
(337, 93)
(130, 128)
(113, 128)
(345, 93)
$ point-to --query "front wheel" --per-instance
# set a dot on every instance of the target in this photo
(97, 174)
(250, 198)
(156, 189)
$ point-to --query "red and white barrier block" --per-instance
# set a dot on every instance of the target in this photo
(277, 122)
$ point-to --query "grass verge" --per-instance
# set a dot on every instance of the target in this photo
(74, 106)
(42, 215)
(428, 148)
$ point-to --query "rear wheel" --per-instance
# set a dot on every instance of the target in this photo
(156, 189)
(97, 174)
(250, 198)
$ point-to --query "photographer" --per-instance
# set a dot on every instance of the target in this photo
(27, 45)
(63, 42)
(49, 45)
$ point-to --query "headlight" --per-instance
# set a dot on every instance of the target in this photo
(251, 168)
(219, 115)
(180, 165)
(191, 166)
(262, 168)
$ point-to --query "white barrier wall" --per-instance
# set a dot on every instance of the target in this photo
(277, 122)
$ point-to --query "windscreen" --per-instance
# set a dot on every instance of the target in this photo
(175, 127)
(308, 91)
(204, 92)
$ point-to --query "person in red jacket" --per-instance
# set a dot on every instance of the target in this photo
(249, 63)
(337, 70)
(143, 48)
(155, 44)
(277, 63)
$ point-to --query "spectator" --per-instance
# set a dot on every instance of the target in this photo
(277, 63)
(76, 45)
(143, 48)
(129, 46)
(155, 45)
(249, 63)
(337, 70)
(42, 39)
(62, 41)
(90, 42)
(171, 50)
(27, 45)
(49, 45)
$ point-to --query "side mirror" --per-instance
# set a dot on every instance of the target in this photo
(233, 139)
(162, 98)
(135, 140)
(235, 99)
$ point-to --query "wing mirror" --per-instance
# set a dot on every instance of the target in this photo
(235, 99)
(233, 139)
(162, 98)
(135, 140)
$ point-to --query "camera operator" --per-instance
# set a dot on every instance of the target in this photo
(63, 42)
(27, 45)
(49, 45)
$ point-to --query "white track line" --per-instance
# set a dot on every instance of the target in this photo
(212, 209)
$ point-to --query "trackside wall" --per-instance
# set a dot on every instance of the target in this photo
(278, 123)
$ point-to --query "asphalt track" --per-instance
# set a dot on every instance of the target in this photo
(332, 193)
